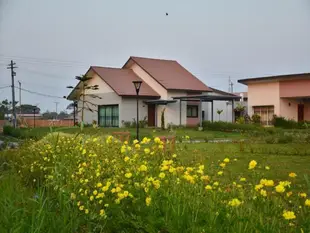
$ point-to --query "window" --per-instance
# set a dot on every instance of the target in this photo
(108, 116)
(265, 112)
(192, 111)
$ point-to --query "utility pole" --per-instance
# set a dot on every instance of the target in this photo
(56, 108)
(228, 84)
(20, 98)
(12, 66)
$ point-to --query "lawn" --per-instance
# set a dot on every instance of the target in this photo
(50, 175)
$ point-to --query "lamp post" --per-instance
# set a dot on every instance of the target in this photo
(34, 117)
(137, 85)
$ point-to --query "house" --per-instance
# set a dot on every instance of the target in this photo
(283, 95)
(164, 82)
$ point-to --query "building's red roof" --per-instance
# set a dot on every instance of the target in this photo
(170, 74)
(120, 80)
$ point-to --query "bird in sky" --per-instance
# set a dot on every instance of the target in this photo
(166, 14)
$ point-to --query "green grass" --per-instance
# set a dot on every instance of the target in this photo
(282, 159)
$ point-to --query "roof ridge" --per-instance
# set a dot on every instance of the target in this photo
(150, 58)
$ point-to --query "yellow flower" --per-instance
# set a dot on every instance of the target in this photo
(73, 196)
(147, 150)
(95, 192)
(269, 183)
(102, 212)
(263, 192)
(252, 164)
(157, 140)
(216, 183)
(289, 194)
(226, 160)
(148, 201)
(81, 207)
(242, 179)
(126, 158)
(292, 175)
(304, 195)
(99, 185)
(174, 156)
(285, 183)
(267, 167)
(220, 173)
(143, 168)
(280, 188)
(156, 184)
(135, 141)
(84, 164)
(91, 198)
(137, 146)
(204, 178)
(307, 202)
(288, 215)
(105, 188)
(258, 187)
(118, 189)
(222, 165)
(128, 175)
(208, 187)
(234, 202)
(161, 147)
(79, 203)
(86, 211)
(162, 175)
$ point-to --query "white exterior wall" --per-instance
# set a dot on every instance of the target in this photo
(128, 110)
(226, 115)
(108, 97)
(150, 81)
(172, 113)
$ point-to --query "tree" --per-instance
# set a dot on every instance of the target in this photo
(27, 109)
(219, 112)
(49, 115)
(84, 87)
(5, 108)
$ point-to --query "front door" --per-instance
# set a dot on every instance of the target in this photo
(151, 115)
(301, 108)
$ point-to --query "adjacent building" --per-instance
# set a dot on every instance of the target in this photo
(284, 95)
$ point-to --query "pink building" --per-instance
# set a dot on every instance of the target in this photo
(284, 95)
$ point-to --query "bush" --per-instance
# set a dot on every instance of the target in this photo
(285, 139)
(256, 119)
(281, 122)
(11, 131)
(228, 127)
(114, 186)
(270, 140)
(240, 120)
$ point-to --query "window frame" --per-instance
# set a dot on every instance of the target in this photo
(267, 109)
(113, 115)
(191, 107)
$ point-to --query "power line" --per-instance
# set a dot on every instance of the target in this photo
(41, 94)
(5, 87)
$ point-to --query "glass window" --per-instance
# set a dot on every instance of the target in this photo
(192, 111)
(108, 116)
(265, 112)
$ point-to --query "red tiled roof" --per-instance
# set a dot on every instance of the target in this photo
(170, 74)
(120, 80)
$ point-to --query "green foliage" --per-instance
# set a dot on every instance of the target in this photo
(10, 131)
(256, 119)
(162, 119)
(281, 122)
(229, 127)
(240, 120)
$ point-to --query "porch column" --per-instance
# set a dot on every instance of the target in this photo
(212, 111)
(180, 112)
(200, 113)
(233, 111)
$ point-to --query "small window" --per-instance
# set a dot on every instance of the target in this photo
(192, 111)
(265, 112)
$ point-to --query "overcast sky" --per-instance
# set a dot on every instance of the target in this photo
(54, 40)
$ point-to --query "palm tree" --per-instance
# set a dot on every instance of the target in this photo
(219, 112)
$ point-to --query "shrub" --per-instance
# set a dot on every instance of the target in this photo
(228, 127)
(115, 186)
(270, 140)
(11, 131)
(240, 120)
(256, 119)
(286, 138)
